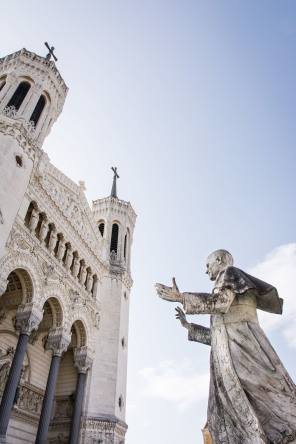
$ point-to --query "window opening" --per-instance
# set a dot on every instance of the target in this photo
(38, 110)
(19, 161)
(101, 228)
(114, 238)
(125, 242)
(28, 214)
(19, 95)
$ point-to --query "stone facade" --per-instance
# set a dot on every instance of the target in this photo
(65, 278)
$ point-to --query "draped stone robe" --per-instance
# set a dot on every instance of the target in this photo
(252, 397)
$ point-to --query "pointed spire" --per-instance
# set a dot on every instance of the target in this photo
(115, 177)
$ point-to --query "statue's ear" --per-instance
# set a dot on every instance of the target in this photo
(219, 260)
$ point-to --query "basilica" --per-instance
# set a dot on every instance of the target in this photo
(65, 278)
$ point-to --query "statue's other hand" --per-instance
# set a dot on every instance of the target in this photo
(171, 294)
(181, 316)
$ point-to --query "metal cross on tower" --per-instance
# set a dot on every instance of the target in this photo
(114, 191)
(50, 49)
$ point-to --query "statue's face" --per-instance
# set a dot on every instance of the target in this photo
(214, 266)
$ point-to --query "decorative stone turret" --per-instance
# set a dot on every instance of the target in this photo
(32, 95)
(116, 221)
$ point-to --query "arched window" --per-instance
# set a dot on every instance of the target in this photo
(102, 228)
(38, 110)
(124, 248)
(19, 95)
(114, 238)
(2, 84)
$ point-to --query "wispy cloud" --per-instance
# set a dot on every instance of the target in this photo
(279, 269)
(175, 381)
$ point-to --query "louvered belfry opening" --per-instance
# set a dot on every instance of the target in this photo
(114, 238)
(38, 110)
(102, 228)
(19, 95)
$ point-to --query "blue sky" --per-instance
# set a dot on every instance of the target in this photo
(194, 102)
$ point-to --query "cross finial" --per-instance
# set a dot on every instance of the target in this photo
(114, 191)
(50, 49)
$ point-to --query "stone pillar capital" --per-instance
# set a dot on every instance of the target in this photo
(57, 341)
(82, 359)
(28, 318)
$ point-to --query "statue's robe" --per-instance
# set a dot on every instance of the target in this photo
(252, 397)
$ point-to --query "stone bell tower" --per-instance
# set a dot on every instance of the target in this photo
(116, 220)
(32, 95)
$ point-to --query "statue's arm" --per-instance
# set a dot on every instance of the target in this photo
(217, 302)
(198, 333)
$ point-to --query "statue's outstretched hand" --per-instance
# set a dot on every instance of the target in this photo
(171, 294)
(182, 318)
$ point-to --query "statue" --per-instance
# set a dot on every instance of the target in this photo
(252, 398)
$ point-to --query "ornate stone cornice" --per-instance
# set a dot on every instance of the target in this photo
(35, 62)
(118, 206)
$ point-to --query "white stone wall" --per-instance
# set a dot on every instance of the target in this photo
(13, 183)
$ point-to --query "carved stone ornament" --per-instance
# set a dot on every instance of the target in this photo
(10, 111)
(82, 360)
(57, 341)
(60, 439)
(30, 400)
(28, 318)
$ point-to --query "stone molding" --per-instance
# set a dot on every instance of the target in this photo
(82, 360)
(107, 428)
(28, 317)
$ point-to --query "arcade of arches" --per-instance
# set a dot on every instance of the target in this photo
(48, 384)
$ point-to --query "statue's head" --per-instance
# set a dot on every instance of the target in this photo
(217, 261)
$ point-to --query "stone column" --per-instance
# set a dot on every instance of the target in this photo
(52, 240)
(89, 281)
(82, 275)
(95, 287)
(69, 257)
(33, 220)
(61, 248)
(43, 230)
(44, 122)
(58, 343)
(83, 362)
(76, 266)
(8, 90)
(27, 320)
(30, 101)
